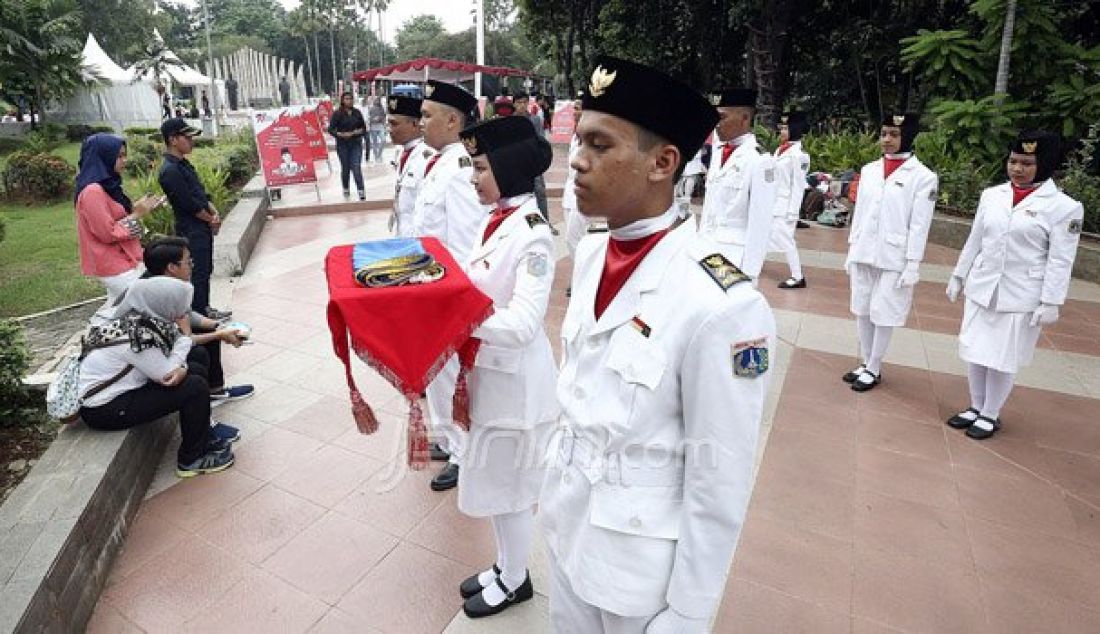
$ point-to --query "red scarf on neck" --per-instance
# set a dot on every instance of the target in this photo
(622, 258)
(727, 150)
(891, 164)
(499, 215)
(783, 147)
(1020, 193)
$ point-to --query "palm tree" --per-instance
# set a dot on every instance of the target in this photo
(155, 58)
(298, 25)
(39, 49)
(1000, 86)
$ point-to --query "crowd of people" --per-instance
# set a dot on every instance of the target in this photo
(638, 448)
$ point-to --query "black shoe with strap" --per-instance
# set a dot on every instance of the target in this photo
(979, 432)
(791, 282)
(958, 421)
(472, 584)
(850, 377)
(437, 453)
(446, 479)
(475, 607)
(862, 384)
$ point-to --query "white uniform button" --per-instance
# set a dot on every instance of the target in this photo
(579, 393)
(566, 478)
(635, 522)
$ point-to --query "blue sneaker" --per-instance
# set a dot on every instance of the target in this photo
(210, 462)
(226, 433)
(231, 393)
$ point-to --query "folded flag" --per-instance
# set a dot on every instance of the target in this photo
(393, 262)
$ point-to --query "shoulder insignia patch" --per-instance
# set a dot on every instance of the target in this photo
(932, 195)
(1075, 226)
(722, 271)
(537, 265)
(464, 161)
(750, 358)
(769, 175)
(533, 220)
(427, 154)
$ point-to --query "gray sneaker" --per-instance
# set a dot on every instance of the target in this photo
(212, 461)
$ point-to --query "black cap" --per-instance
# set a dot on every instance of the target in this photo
(652, 100)
(402, 105)
(796, 124)
(172, 127)
(450, 95)
(734, 97)
(908, 123)
(1045, 146)
(515, 152)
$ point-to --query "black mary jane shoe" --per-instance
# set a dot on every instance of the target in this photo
(977, 433)
(472, 586)
(437, 453)
(790, 283)
(850, 377)
(475, 607)
(958, 421)
(862, 386)
(802, 224)
(446, 479)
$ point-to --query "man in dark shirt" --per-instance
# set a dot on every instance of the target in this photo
(196, 218)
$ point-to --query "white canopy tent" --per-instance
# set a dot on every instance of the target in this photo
(115, 98)
(183, 76)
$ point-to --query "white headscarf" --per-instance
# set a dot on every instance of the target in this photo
(163, 297)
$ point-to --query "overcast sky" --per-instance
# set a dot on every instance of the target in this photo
(455, 14)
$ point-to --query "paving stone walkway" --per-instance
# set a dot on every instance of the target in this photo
(869, 514)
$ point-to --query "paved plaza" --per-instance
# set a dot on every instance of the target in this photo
(868, 514)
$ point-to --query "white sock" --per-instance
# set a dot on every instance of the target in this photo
(514, 534)
(795, 263)
(878, 348)
(866, 331)
(975, 375)
(998, 385)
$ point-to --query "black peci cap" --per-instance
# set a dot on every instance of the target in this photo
(908, 123)
(515, 152)
(404, 106)
(450, 95)
(652, 100)
(1045, 146)
(172, 127)
(734, 97)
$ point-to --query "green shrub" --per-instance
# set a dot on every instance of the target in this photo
(38, 177)
(42, 141)
(963, 169)
(217, 188)
(10, 144)
(836, 152)
(81, 131)
(1081, 185)
(14, 361)
(204, 141)
(139, 131)
(141, 156)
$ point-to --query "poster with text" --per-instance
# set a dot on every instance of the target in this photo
(561, 126)
(283, 143)
(324, 113)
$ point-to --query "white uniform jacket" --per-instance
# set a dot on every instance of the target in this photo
(737, 210)
(892, 216)
(791, 168)
(408, 184)
(568, 194)
(446, 205)
(651, 470)
(1021, 255)
(515, 364)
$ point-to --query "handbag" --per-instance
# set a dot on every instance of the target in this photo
(63, 398)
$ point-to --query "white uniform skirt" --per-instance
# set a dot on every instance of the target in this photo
(502, 469)
(875, 294)
(999, 340)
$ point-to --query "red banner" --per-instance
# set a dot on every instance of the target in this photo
(315, 133)
(283, 143)
(561, 126)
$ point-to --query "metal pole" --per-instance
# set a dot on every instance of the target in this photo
(210, 56)
(480, 20)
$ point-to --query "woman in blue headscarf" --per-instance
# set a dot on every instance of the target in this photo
(108, 223)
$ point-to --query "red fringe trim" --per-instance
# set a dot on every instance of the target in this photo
(419, 456)
(460, 404)
(365, 419)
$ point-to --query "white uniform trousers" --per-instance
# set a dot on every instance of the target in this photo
(570, 614)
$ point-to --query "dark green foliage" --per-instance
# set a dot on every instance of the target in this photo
(14, 361)
(37, 177)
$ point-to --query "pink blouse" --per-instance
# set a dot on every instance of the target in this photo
(109, 240)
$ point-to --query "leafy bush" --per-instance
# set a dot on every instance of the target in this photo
(14, 361)
(1081, 185)
(81, 131)
(987, 125)
(43, 140)
(139, 131)
(963, 171)
(38, 177)
(217, 189)
(836, 152)
(141, 156)
(204, 141)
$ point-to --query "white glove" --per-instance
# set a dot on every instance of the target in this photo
(1044, 315)
(669, 621)
(954, 285)
(910, 275)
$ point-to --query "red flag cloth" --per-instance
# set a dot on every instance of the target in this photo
(1020, 193)
(407, 333)
(891, 164)
(623, 256)
(431, 163)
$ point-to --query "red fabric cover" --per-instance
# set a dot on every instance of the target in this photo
(407, 333)
(623, 256)
(727, 151)
(889, 165)
(497, 218)
(783, 147)
(1020, 193)
(431, 62)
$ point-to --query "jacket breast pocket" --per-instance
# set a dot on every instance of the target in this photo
(636, 359)
(499, 358)
(895, 239)
(646, 512)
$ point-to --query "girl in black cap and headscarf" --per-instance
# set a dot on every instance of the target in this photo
(510, 407)
(1016, 268)
(897, 196)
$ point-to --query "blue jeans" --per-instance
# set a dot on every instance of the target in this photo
(377, 140)
(350, 153)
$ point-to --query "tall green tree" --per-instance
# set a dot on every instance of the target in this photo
(118, 25)
(42, 50)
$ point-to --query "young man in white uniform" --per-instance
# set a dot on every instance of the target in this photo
(412, 158)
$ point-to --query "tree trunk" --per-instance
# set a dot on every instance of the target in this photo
(39, 104)
(769, 53)
(862, 87)
(309, 65)
(332, 50)
(317, 56)
(1000, 86)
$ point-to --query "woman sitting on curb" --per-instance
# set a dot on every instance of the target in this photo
(152, 370)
